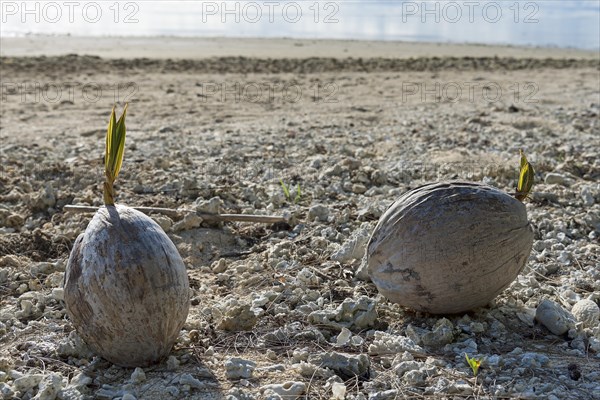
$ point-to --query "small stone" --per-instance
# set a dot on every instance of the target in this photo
(442, 334)
(287, 390)
(219, 266)
(14, 221)
(10, 261)
(49, 387)
(563, 258)
(27, 382)
(80, 381)
(164, 222)
(385, 343)
(189, 380)
(190, 221)
(359, 188)
(318, 212)
(172, 390)
(335, 170)
(238, 318)
(554, 317)
(6, 391)
(343, 337)
(238, 368)
(138, 376)
(554, 178)
(378, 177)
(338, 391)
(345, 365)
(587, 312)
(352, 313)
(212, 206)
(534, 360)
(3, 275)
(128, 396)
(58, 294)
(172, 363)
(414, 378)
(587, 196)
(405, 366)
(354, 248)
(391, 394)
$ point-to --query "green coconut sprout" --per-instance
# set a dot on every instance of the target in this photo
(526, 175)
(473, 363)
(113, 157)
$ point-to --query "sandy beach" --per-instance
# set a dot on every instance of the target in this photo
(217, 124)
(197, 48)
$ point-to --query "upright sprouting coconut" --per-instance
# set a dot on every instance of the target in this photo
(449, 247)
(126, 288)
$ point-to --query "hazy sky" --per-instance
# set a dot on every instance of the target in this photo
(543, 23)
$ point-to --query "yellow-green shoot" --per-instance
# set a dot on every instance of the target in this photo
(288, 194)
(473, 363)
(526, 175)
(113, 157)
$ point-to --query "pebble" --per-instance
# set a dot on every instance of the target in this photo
(138, 376)
(353, 314)
(338, 391)
(354, 248)
(587, 312)
(212, 206)
(587, 196)
(343, 338)
(238, 368)
(49, 387)
(288, 390)
(27, 382)
(385, 343)
(554, 178)
(442, 334)
(189, 221)
(534, 360)
(318, 212)
(189, 380)
(554, 317)
(163, 221)
(172, 363)
(345, 365)
(238, 318)
(401, 368)
(414, 378)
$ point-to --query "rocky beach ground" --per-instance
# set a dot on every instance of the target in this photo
(280, 310)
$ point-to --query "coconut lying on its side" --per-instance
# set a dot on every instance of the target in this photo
(449, 247)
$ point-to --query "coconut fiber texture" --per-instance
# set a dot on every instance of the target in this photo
(449, 247)
(126, 287)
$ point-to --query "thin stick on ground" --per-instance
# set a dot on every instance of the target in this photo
(267, 219)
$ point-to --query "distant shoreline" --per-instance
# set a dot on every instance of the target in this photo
(194, 48)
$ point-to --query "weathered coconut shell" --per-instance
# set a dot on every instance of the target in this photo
(449, 247)
(126, 288)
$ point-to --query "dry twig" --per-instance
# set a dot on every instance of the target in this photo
(267, 219)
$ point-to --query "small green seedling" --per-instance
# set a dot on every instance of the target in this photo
(473, 363)
(113, 157)
(526, 175)
(288, 194)
(286, 190)
(298, 194)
